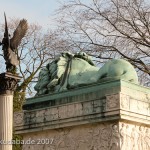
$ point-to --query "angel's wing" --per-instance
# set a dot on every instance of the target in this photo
(19, 33)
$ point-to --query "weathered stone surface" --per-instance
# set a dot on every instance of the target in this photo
(90, 92)
(98, 105)
(134, 136)
(107, 116)
(99, 136)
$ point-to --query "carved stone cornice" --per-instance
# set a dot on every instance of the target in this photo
(8, 83)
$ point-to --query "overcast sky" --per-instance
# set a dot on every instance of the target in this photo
(35, 11)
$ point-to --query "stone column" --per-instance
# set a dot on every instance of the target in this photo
(8, 83)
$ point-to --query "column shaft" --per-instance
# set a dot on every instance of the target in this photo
(6, 121)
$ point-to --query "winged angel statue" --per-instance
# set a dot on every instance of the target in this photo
(9, 46)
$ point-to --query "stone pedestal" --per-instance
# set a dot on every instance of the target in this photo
(8, 83)
(106, 116)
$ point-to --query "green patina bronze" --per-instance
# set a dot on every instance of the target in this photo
(75, 70)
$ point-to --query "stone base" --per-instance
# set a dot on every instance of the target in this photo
(106, 116)
(98, 136)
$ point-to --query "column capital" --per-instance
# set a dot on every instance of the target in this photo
(8, 83)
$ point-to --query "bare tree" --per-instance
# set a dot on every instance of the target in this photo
(109, 29)
(36, 50)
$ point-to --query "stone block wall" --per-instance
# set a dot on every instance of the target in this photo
(106, 116)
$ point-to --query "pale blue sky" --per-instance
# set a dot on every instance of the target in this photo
(36, 11)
